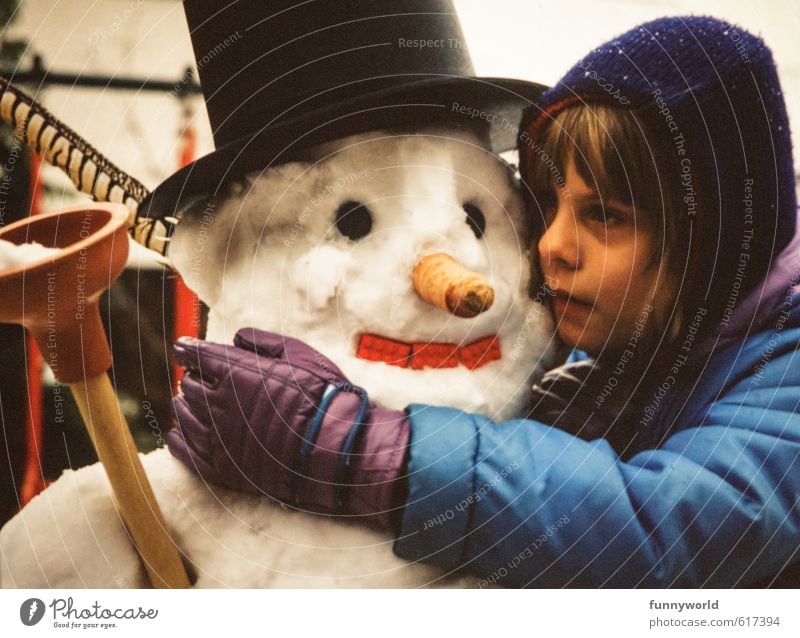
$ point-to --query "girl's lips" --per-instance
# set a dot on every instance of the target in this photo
(567, 307)
(564, 298)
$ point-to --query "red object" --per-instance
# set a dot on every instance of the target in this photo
(187, 305)
(93, 249)
(481, 352)
(434, 355)
(188, 144)
(419, 356)
(88, 235)
(33, 482)
(374, 348)
(544, 116)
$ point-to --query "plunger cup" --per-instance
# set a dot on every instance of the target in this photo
(57, 300)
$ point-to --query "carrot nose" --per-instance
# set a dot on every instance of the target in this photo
(445, 283)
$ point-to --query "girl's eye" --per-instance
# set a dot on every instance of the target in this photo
(604, 215)
(354, 220)
(476, 220)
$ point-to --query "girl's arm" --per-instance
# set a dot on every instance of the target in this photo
(522, 503)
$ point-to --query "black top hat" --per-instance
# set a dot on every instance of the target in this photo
(279, 76)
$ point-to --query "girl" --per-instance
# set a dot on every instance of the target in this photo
(659, 175)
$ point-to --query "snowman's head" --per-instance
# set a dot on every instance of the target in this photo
(324, 250)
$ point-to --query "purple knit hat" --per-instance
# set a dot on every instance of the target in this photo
(710, 96)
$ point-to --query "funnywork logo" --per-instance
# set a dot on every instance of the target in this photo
(31, 611)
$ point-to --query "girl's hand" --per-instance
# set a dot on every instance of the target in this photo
(270, 415)
(578, 398)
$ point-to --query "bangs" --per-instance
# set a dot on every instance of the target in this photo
(610, 152)
(616, 154)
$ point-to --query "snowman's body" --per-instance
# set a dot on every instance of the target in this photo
(321, 250)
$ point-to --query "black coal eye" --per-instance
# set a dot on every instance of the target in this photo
(475, 219)
(354, 220)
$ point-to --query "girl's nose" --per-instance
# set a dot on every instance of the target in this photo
(558, 246)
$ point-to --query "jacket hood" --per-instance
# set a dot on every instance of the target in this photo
(761, 307)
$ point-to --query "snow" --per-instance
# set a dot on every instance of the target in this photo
(271, 257)
(70, 536)
(13, 256)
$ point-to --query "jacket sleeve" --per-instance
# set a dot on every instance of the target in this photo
(523, 504)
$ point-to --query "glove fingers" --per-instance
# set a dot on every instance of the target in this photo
(194, 464)
(194, 433)
(197, 391)
(295, 352)
(181, 450)
(267, 344)
(204, 359)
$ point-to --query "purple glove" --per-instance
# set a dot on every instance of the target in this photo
(270, 415)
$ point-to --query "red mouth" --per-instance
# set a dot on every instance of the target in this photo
(418, 356)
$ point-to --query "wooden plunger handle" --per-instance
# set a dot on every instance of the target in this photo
(93, 248)
(112, 439)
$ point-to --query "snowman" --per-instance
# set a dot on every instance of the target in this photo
(377, 225)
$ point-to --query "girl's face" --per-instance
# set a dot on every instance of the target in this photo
(596, 256)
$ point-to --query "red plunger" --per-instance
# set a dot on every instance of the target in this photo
(56, 299)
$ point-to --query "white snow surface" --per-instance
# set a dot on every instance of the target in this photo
(13, 256)
(271, 257)
(70, 536)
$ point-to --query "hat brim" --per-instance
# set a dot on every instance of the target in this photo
(494, 102)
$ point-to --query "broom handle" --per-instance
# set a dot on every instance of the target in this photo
(112, 439)
(89, 170)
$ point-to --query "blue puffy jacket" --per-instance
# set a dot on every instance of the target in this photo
(717, 504)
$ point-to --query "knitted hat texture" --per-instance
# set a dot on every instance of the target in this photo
(709, 93)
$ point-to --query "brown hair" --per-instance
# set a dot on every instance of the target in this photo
(616, 154)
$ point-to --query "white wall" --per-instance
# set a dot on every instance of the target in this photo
(540, 39)
(138, 38)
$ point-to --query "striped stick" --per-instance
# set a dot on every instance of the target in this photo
(89, 170)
